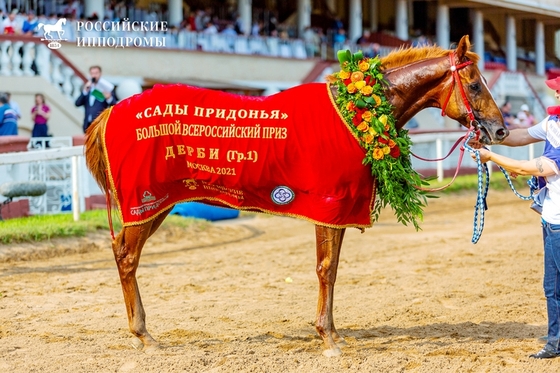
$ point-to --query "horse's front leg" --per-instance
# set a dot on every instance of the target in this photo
(127, 248)
(329, 242)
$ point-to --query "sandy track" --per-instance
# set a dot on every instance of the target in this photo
(217, 299)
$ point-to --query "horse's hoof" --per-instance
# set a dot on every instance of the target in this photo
(151, 349)
(137, 344)
(341, 343)
(333, 352)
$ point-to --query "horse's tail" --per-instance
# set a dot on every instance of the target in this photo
(94, 153)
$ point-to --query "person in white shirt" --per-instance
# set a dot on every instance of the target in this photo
(547, 169)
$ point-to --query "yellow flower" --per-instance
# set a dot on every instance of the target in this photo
(368, 139)
(344, 74)
(363, 66)
(367, 90)
(357, 76)
(377, 100)
(363, 127)
(367, 115)
(378, 154)
(360, 84)
(352, 88)
(372, 131)
(386, 150)
(383, 119)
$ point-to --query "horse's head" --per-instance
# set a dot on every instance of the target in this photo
(468, 99)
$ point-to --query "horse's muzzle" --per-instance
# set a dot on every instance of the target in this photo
(492, 133)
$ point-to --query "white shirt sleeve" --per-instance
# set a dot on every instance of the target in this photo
(538, 131)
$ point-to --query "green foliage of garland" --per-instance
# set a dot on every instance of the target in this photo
(362, 103)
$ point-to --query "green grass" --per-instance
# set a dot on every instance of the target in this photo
(45, 227)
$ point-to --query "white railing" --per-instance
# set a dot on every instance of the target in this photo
(19, 58)
(61, 169)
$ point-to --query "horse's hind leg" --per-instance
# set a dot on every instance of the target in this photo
(127, 248)
(329, 242)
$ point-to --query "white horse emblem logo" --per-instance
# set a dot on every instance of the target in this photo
(57, 27)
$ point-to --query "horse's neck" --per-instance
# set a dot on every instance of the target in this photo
(415, 87)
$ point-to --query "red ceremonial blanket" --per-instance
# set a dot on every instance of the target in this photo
(287, 154)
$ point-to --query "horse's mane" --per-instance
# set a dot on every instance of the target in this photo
(404, 56)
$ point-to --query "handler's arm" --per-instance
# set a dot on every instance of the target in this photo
(540, 166)
(519, 137)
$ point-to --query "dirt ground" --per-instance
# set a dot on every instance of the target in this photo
(219, 298)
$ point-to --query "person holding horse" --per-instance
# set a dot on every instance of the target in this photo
(548, 167)
(97, 95)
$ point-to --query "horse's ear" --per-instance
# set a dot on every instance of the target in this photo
(463, 47)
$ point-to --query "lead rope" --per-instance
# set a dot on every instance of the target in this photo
(480, 206)
(532, 182)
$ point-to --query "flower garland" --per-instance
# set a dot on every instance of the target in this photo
(363, 105)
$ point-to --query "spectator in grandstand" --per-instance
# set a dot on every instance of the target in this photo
(229, 30)
(210, 28)
(9, 25)
(510, 120)
(525, 118)
(40, 114)
(30, 24)
(372, 50)
(97, 95)
(8, 117)
(340, 36)
(364, 39)
(14, 105)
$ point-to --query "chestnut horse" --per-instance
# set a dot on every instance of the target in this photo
(417, 78)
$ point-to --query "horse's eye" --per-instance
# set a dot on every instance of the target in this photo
(475, 87)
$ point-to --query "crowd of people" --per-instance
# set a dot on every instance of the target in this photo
(10, 115)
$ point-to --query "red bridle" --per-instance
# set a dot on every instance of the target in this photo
(457, 80)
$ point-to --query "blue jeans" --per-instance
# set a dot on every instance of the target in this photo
(551, 283)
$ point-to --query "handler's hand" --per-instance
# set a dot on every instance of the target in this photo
(475, 144)
(484, 155)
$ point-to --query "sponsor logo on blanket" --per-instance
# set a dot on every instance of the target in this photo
(282, 195)
(148, 203)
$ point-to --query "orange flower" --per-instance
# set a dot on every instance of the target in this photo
(367, 90)
(357, 76)
(368, 139)
(344, 74)
(331, 78)
(352, 88)
(367, 115)
(378, 154)
(391, 143)
(377, 99)
(350, 106)
(363, 66)
(363, 127)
